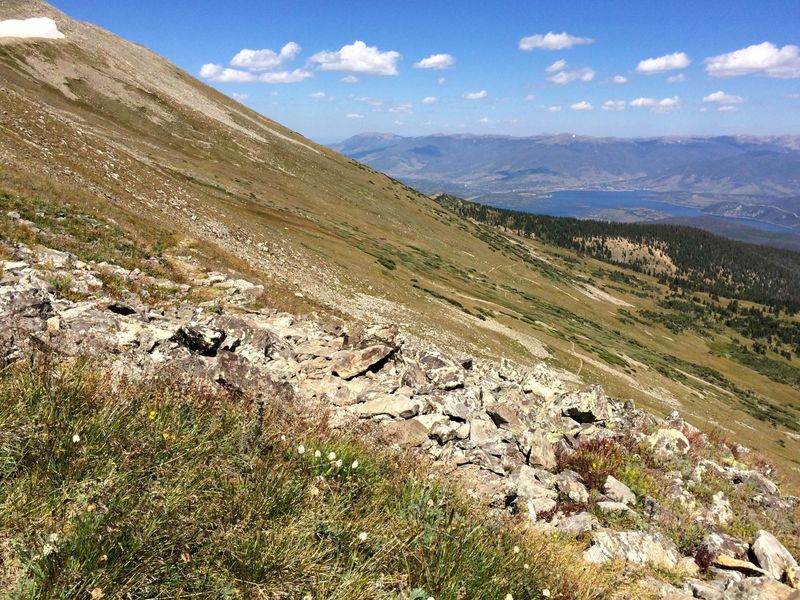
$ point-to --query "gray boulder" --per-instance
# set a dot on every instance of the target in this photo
(636, 547)
(578, 523)
(618, 491)
(387, 404)
(200, 339)
(771, 554)
(760, 588)
(351, 363)
(569, 483)
(537, 449)
(586, 406)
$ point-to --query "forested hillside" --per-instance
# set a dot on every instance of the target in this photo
(685, 256)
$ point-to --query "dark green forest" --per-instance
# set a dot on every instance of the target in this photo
(705, 262)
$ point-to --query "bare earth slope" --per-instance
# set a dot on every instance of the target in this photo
(95, 122)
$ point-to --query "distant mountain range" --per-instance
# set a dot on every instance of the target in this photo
(732, 176)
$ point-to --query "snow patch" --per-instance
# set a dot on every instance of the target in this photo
(36, 27)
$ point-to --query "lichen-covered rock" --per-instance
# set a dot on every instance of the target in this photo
(578, 523)
(716, 544)
(666, 442)
(720, 510)
(586, 406)
(569, 483)
(637, 547)
(760, 588)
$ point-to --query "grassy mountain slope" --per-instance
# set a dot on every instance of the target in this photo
(96, 123)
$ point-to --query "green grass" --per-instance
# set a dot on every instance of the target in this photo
(158, 490)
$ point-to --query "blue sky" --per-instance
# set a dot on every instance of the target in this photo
(719, 68)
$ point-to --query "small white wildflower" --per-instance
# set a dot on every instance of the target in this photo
(301, 449)
(308, 597)
(332, 456)
(430, 598)
(545, 593)
(76, 438)
(52, 538)
(362, 537)
(339, 463)
(526, 566)
(354, 465)
(509, 597)
(283, 438)
(317, 454)
(516, 549)
(48, 549)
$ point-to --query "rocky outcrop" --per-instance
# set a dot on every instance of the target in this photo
(505, 432)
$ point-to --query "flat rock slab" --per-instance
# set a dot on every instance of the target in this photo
(406, 434)
(724, 561)
(394, 406)
(352, 363)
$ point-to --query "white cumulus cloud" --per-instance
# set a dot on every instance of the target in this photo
(355, 116)
(430, 100)
(559, 65)
(581, 106)
(659, 106)
(765, 59)
(358, 58)
(401, 108)
(265, 60)
(36, 27)
(643, 102)
(679, 78)
(619, 79)
(374, 102)
(220, 74)
(436, 61)
(258, 66)
(442, 81)
(614, 105)
(668, 62)
(484, 120)
(318, 95)
(553, 109)
(727, 108)
(349, 79)
(721, 97)
(565, 77)
(476, 95)
(552, 41)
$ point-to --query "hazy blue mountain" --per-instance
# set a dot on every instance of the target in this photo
(500, 164)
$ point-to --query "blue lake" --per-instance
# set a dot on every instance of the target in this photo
(583, 204)
(586, 204)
